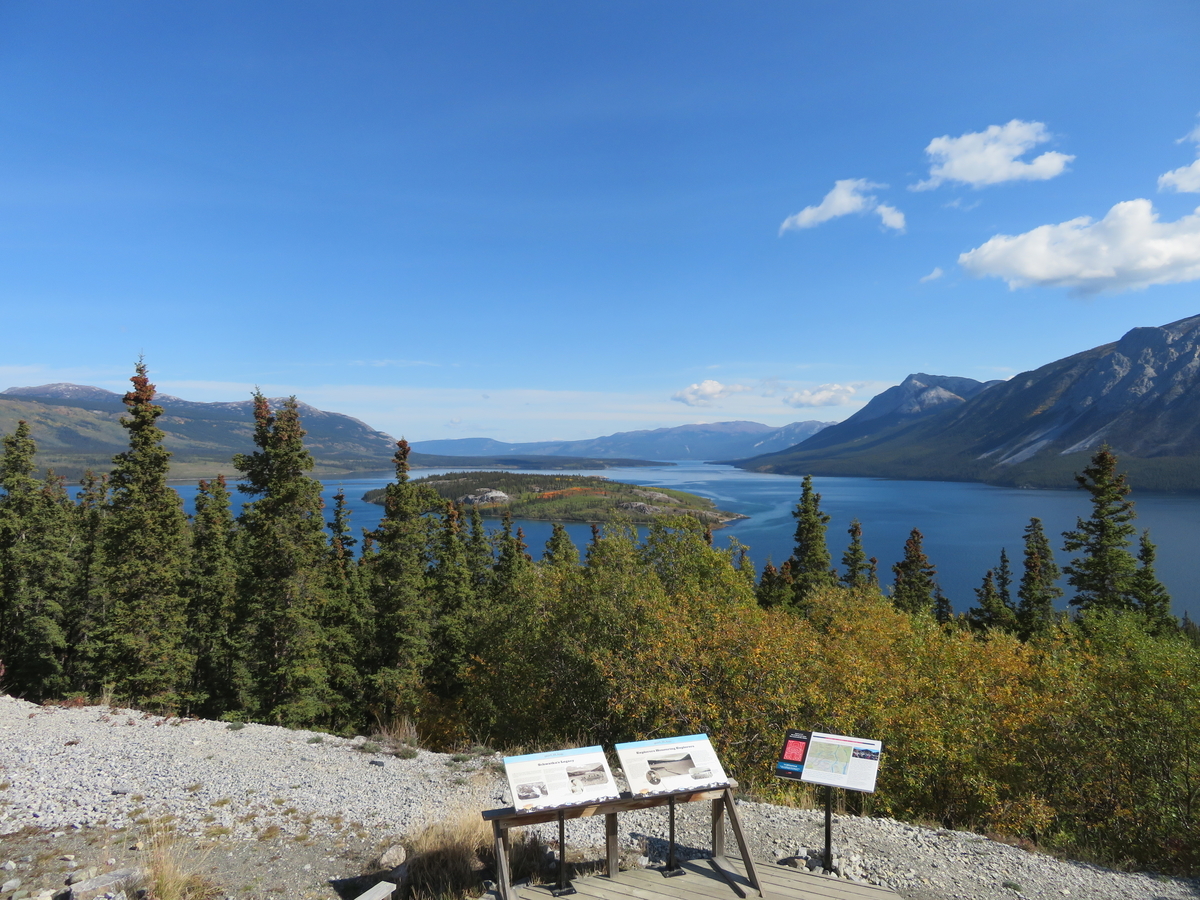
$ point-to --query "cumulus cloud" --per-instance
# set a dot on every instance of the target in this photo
(1185, 179)
(822, 395)
(1129, 249)
(934, 275)
(980, 158)
(850, 195)
(708, 392)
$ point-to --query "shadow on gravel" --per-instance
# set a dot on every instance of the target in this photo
(658, 849)
(349, 888)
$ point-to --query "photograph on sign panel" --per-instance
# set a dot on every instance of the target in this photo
(791, 759)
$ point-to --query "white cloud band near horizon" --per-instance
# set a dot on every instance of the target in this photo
(707, 392)
(849, 195)
(1185, 179)
(824, 395)
(981, 158)
(1129, 249)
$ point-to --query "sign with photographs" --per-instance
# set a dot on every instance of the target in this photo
(791, 757)
(671, 765)
(840, 761)
(559, 778)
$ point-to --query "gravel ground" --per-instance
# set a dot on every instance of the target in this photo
(269, 812)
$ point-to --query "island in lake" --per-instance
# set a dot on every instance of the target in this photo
(566, 498)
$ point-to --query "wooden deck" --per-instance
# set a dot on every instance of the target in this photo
(702, 882)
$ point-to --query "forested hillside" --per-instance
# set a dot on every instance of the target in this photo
(1073, 731)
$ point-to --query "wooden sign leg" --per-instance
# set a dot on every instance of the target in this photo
(736, 824)
(503, 879)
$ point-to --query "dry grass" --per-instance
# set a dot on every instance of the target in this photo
(450, 859)
(172, 873)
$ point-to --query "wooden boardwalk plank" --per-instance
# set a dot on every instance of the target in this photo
(702, 882)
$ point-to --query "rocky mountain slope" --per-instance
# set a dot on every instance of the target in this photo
(716, 440)
(1140, 395)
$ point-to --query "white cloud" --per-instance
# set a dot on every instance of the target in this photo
(934, 275)
(890, 216)
(707, 392)
(1129, 249)
(848, 196)
(823, 395)
(1185, 179)
(990, 157)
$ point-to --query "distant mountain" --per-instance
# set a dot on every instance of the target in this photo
(718, 440)
(78, 427)
(1141, 395)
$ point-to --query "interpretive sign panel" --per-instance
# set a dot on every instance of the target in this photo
(559, 778)
(791, 757)
(671, 765)
(840, 761)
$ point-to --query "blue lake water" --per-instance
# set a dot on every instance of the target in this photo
(965, 525)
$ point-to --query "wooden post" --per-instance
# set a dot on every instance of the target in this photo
(718, 827)
(503, 879)
(611, 849)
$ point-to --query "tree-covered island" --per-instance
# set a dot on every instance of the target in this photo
(566, 498)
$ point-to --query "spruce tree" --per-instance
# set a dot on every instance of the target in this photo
(87, 607)
(1004, 581)
(146, 552)
(775, 589)
(943, 611)
(36, 572)
(1147, 592)
(455, 606)
(212, 595)
(282, 585)
(561, 551)
(398, 587)
(810, 560)
(913, 589)
(860, 571)
(1102, 574)
(1039, 583)
(346, 623)
(511, 561)
(992, 611)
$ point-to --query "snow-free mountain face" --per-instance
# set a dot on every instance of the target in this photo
(715, 440)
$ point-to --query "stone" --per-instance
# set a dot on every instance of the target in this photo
(81, 875)
(103, 884)
(9, 886)
(8, 866)
(377, 762)
(393, 856)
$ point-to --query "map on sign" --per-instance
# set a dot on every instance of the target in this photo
(841, 761)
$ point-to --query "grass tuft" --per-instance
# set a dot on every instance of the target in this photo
(172, 874)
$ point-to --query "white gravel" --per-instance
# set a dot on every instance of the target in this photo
(68, 768)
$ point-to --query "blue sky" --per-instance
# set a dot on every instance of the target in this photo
(537, 220)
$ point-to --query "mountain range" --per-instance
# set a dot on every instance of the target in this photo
(1140, 395)
(716, 440)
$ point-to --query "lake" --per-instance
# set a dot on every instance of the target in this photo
(965, 525)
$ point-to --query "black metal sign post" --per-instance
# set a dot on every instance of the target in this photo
(563, 888)
(828, 827)
(673, 868)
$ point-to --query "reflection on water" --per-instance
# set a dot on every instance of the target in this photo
(965, 525)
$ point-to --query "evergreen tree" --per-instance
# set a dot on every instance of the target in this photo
(943, 612)
(480, 556)
(87, 607)
(282, 583)
(35, 572)
(454, 610)
(1039, 583)
(1148, 593)
(146, 553)
(913, 589)
(560, 549)
(1004, 581)
(992, 611)
(810, 561)
(512, 562)
(212, 593)
(398, 585)
(775, 587)
(860, 571)
(346, 622)
(1102, 574)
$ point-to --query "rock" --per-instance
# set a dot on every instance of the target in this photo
(103, 884)
(8, 866)
(9, 886)
(393, 857)
(82, 875)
